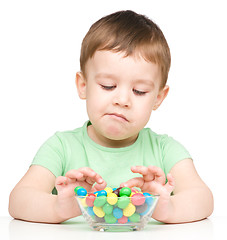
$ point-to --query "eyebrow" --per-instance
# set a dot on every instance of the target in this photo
(105, 75)
(145, 81)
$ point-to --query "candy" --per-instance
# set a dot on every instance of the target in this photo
(108, 190)
(125, 191)
(117, 212)
(122, 205)
(123, 202)
(129, 210)
(100, 201)
(138, 199)
(122, 220)
(99, 219)
(90, 211)
(75, 190)
(98, 211)
(101, 193)
(149, 199)
(109, 218)
(81, 192)
(83, 201)
(141, 208)
(107, 208)
(90, 199)
(112, 198)
(117, 191)
(134, 218)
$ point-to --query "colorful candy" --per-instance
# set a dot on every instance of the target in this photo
(125, 191)
(138, 199)
(100, 201)
(112, 198)
(90, 199)
(129, 210)
(120, 205)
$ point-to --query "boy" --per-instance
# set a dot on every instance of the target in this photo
(125, 61)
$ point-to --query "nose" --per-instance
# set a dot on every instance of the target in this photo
(122, 98)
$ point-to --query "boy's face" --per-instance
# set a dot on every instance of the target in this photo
(121, 93)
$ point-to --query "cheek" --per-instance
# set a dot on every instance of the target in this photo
(143, 109)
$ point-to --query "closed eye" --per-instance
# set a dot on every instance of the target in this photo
(107, 87)
(139, 93)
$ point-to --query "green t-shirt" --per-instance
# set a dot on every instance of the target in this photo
(75, 149)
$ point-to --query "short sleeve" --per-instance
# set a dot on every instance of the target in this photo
(172, 152)
(51, 155)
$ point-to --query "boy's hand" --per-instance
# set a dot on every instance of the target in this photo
(66, 204)
(153, 181)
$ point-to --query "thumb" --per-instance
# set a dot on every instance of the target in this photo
(169, 186)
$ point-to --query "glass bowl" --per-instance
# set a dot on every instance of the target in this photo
(119, 213)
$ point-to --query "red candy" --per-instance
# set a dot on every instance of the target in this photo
(90, 199)
(123, 220)
(138, 199)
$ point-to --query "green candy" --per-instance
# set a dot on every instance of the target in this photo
(77, 188)
(107, 208)
(100, 201)
(134, 218)
(125, 191)
(123, 202)
(109, 218)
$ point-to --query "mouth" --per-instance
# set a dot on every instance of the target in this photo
(118, 116)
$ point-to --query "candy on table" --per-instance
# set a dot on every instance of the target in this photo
(119, 205)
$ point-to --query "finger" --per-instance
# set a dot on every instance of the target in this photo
(147, 174)
(158, 174)
(85, 174)
(61, 180)
(140, 169)
(134, 182)
(74, 174)
(98, 187)
(91, 181)
(90, 175)
(170, 184)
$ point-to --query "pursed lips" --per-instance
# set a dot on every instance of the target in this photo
(118, 115)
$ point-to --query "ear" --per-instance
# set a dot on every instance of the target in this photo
(81, 85)
(161, 96)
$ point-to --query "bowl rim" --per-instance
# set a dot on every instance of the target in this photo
(156, 195)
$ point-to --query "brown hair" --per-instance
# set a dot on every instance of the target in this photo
(129, 32)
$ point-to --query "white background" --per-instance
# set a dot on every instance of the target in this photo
(39, 56)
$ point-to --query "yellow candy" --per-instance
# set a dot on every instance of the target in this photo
(108, 190)
(112, 198)
(98, 211)
(129, 210)
(83, 202)
(132, 193)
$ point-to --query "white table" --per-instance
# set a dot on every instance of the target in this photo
(212, 228)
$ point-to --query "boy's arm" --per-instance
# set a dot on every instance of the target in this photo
(192, 199)
(31, 199)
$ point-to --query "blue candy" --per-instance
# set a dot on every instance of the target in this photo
(90, 211)
(117, 212)
(101, 193)
(148, 198)
(81, 192)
